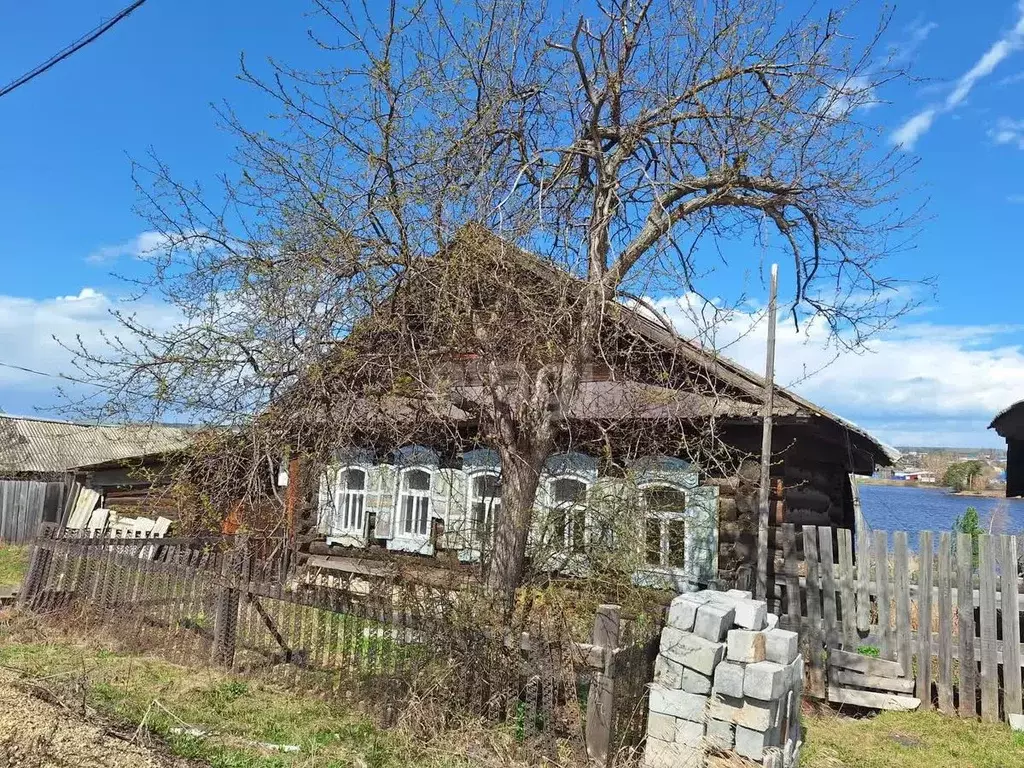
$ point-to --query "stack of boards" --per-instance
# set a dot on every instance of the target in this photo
(96, 522)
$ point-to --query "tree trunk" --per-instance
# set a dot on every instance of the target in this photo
(520, 475)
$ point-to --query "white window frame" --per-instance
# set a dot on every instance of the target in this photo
(491, 511)
(569, 533)
(345, 499)
(665, 519)
(399, 532)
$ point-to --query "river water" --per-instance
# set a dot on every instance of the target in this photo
(892, 508)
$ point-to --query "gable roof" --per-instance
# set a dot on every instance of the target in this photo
(1008, 422)
(32, 444)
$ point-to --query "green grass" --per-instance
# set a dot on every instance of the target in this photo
(13, 564)
(909, 740)
(242, 713)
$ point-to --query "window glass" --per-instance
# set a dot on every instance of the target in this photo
(417, 480)
(676, 543)
(653, 540)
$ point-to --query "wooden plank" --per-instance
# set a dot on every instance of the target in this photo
(989, 667)
(863, 554)
(885, 632)
(815, 644)
(872, 699)
(925, 554)
(944, 671)
(846, 587)
(867, 665)
(965, 618)
(846, 677)
(828, 586)
(600, 702)
(901, 572)
(793, 609)
(1011, 628)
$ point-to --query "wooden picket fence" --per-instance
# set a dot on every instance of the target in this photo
(238, 603)
(949, 615)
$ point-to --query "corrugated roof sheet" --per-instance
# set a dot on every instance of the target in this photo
(30, 444)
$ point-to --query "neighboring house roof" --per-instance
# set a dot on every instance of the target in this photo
(31, 444)
(1009, 422)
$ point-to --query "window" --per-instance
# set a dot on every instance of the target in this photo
(352, 506)
(569, 500)
(665, 526)
(484, 503)
(414, 503)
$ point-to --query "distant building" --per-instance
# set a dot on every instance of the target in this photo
(1009, 423)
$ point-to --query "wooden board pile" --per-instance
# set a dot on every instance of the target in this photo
(85, 516)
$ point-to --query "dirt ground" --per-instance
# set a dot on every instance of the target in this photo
(36, 733)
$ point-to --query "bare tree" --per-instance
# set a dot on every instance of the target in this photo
(608, 154)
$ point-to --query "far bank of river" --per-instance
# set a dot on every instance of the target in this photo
(917, 508)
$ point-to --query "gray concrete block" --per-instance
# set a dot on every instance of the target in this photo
(758, 715)
(796, 673)
(689, 733)
(751, 614)
(682, 611)
(667, 672)
(781, 646)
(740, 593)
(725, 708)
(686, 706)
(720, 734)
(765, 680)
(1016, 722)
(694, 682)
(691, 650)
(771, 621)
(659, 753)
(661, 726)
(752, 744)
(729, 679)
(713, 621)
(745, 646)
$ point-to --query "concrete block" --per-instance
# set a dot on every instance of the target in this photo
(667, 672)
(694, 682)
(740, 593)
(713, 621)
(1016, 722)
(689, 733)
(720, 734)
(752, 744)
(729, 679)
(796, 673)
(751, 614)
(682, 611)
(745, 646)
(725, 708)
(686, 706)
(659, 753)
(765, 680)
(691, 650)
(661, 726)
(781, 646)
(771, 621)
(758, 715)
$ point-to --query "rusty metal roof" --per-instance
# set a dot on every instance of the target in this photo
(32, 444)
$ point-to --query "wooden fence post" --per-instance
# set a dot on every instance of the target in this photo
(225, 623)
(601, 699)
(39, 564)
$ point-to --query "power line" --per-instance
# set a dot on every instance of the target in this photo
(75, 46)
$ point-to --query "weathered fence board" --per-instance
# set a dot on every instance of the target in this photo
(924, 619)
(944, 673)
(989, 665)
(24, 505)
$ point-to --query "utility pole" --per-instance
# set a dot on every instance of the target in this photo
(766, 442)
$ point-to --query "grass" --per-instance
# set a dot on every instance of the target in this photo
(243, 715)
(13, 564)
(909, 740)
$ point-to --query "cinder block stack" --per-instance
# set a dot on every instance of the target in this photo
(727, 679)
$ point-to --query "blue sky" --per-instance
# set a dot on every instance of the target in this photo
(66, 195)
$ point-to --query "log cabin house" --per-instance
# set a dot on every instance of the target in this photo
(1009, 424)
(696, 518)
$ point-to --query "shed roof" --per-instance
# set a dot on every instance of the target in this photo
(33, 444)
(1009, 422)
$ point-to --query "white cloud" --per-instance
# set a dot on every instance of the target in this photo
(854, 93)
(1015, 199)
(1007, 131)
(27, 328)
(139, 247)
(917, 125)
(917, 32)
(1012, 79)
(924, 383)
